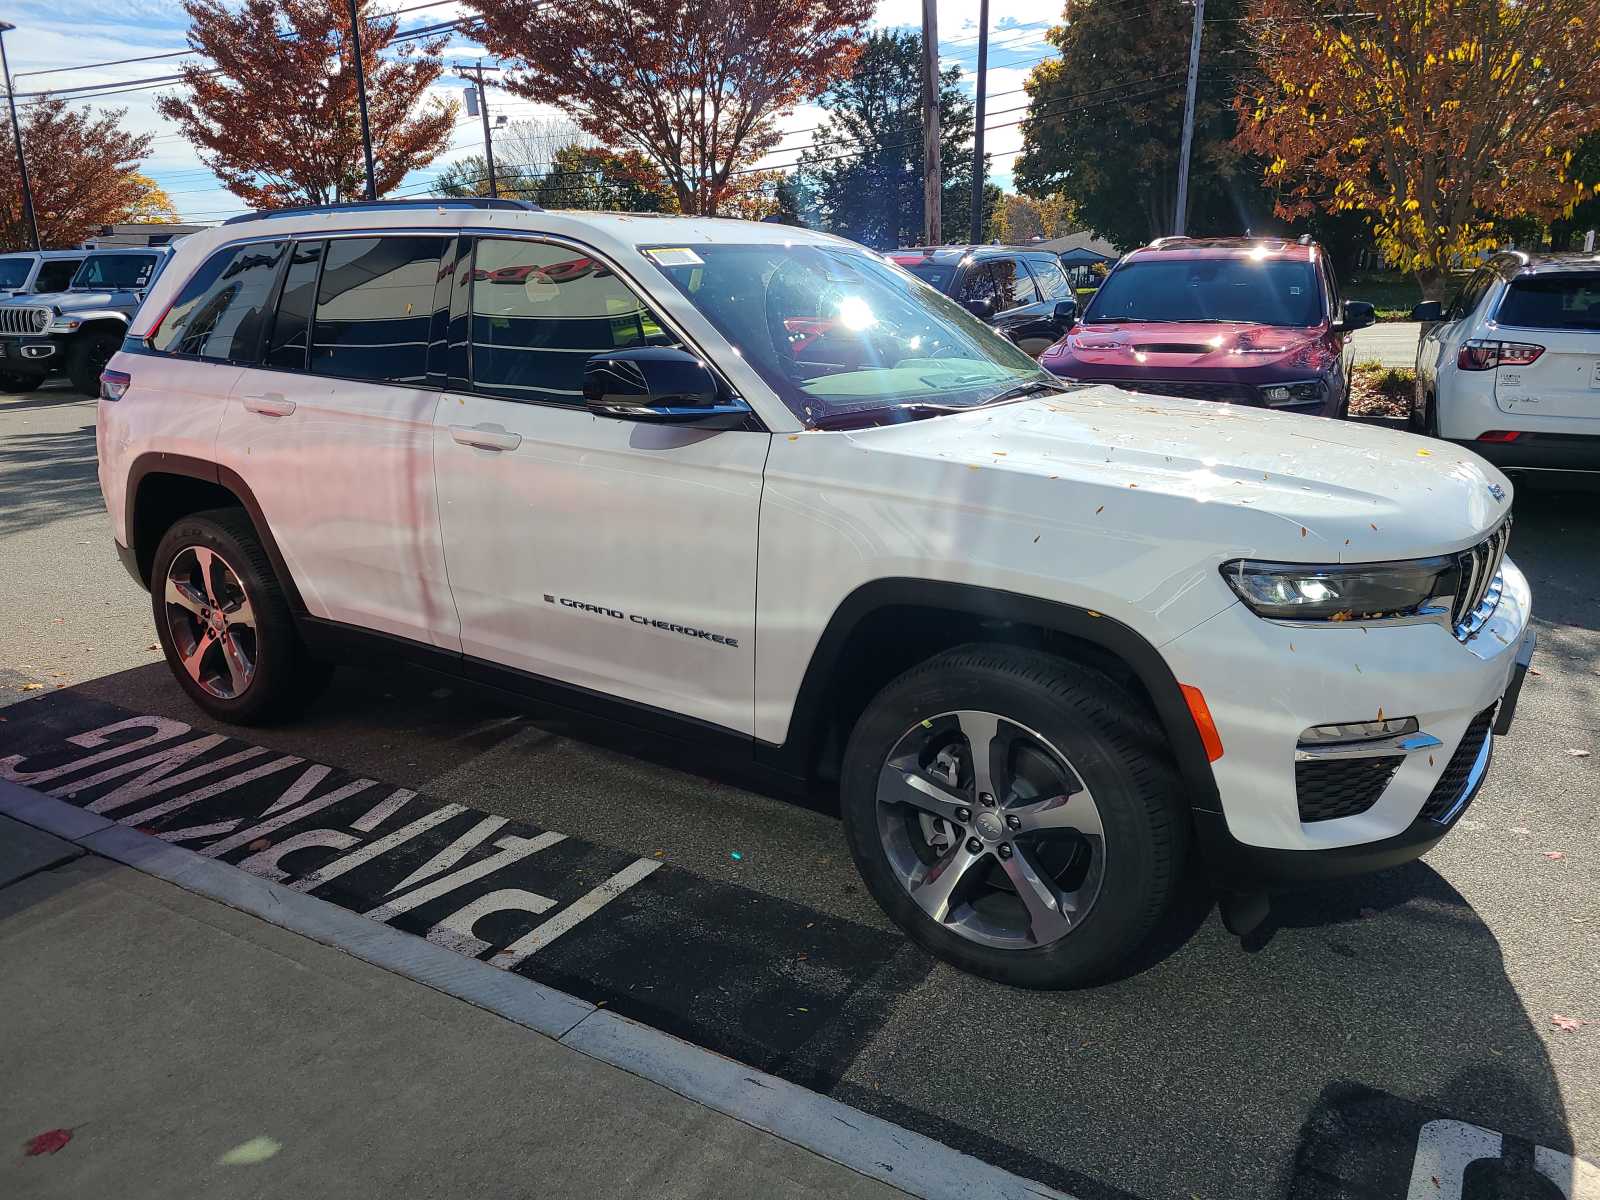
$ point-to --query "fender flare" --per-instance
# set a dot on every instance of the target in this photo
(157, 462)
(103, 314)
(992, 604)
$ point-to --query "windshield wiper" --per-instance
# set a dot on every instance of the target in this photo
(858, 418)
(1026, 389)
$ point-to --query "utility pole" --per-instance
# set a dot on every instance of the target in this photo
(932, 185)
(361, 96)
(476, 74)
(979, 177)
(16, 132)
(1180, 216)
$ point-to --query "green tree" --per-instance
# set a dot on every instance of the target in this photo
(1107, 119)
(865, 166)
(594, 178)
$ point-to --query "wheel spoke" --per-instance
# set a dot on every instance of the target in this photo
(932, 885)
(185, 596)
(901, 782)
(206, 560)
(1075, 811)
(193, 659)
(240, 613)
(1046, 920)
(982, 731)
(239, 666)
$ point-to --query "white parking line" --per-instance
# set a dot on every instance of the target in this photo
(1445, 1149)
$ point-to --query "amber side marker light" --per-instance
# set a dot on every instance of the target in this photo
(1209, 738)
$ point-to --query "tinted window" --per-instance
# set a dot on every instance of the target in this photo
(14, 272)
(56, 274)
(116, 271)
(219, 311)
(1569, 300)
(1471, 292)
(930, 272)
(540, 311)
(1014, 283)
(375, 308)
(980, 284)
(287, 344)
(1051, 279)
(1256, 291)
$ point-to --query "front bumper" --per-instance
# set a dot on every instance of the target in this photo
(1266, 683)
(29, 355)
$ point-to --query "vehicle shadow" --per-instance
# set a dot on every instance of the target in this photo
(47, 476)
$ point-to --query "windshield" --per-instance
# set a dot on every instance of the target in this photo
(115, 271)
(932, 273)
(1243, 290)
(839, 331)
(14, 272)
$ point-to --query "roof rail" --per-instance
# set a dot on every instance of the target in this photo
(479, 202)
(1171, 237)
(1304, 239)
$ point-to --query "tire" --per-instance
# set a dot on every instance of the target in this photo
(1424, 415)
(1112, 748)
(88, 356)
(241, 608)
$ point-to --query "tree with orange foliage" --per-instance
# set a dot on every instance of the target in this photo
(1432, 117)
(277, 119)
(82, 166)
(696, 87)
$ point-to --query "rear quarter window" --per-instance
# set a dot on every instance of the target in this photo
(1566, 300)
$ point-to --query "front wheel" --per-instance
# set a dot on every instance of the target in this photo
(224, 623)
(1016, 814)
(88, 357)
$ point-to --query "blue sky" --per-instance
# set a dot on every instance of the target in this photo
(70, 33)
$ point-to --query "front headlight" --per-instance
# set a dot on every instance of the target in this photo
(1345, 592)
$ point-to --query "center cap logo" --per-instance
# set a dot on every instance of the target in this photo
(990, 826)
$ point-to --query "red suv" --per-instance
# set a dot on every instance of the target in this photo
(1246, 320)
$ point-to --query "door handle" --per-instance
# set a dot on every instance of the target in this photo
(268, 404)
(485, 439)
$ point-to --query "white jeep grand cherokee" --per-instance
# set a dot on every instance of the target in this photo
(758, 487)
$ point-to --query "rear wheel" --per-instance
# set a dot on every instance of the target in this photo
(1016, 814)
(88, 357)
(224, 624)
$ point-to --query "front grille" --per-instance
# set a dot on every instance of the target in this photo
(16, 320)
(1192, 389)
(1448, 791)
(1341, 787)
(1478, 594)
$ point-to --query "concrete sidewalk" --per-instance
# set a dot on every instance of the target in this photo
(195, 1050)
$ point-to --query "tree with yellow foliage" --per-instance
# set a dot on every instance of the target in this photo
(1432, 117)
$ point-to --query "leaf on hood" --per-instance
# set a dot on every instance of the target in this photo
(47, 1142)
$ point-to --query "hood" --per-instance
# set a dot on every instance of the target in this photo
(67, 301)
(1250, 482)
(1191, 345)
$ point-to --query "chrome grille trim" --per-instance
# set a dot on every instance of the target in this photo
(1482, 583)
(23, 320)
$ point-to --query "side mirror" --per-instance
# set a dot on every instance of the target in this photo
(1358, 314)
(659, 384)
(1428, 311)
(1066, 313)
(982, 308)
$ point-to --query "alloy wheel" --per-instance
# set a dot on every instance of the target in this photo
(990, 830)
(211, 622)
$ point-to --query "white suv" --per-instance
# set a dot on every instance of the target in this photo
(1512, 365)
(757, 487)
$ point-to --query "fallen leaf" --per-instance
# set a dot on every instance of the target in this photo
(47, 1142)
(1555, 855)
(794, 437)
(1532, 671)
(1302, 531)
(153, 646)
(1374, 527)
(1036, 537)
(1578, 753)
(1099, 510)
(1565, 1024)
(1001, 453)
(259, 845)
(1133, 485)
(1380, 714)
(1424, 453)
(33, 687)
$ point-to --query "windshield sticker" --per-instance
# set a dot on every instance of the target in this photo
(675, 256)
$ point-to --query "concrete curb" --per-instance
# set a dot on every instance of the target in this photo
(873, 1147)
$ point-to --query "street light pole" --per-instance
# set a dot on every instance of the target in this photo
(1180, 216)
(361, 95)
(978, 174)
(16, 132)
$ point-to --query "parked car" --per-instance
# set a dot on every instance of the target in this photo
(1512, 366)
(1022, 293)
(1256, 321)
(76, 331)
(26, 271)
(1049, 646)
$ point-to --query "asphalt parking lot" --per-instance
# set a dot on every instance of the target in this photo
(1307, 1063)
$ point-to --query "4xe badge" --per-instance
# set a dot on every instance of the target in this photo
(1498, 492)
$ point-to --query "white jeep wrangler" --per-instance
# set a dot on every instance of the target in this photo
(758, 487)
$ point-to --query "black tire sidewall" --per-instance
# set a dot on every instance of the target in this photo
(81, 358)
(276, 640)
(1140, 877)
